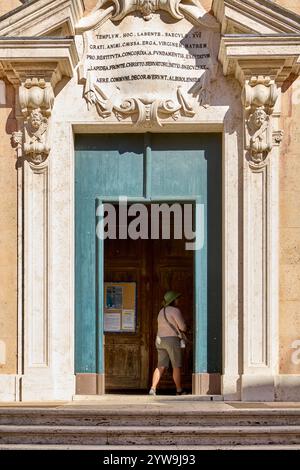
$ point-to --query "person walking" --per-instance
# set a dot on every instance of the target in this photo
(170, 325)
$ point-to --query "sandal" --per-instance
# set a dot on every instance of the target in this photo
(182, 392)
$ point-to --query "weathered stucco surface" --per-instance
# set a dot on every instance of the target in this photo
(8, 240)
(290, 231)
(290, 223)
(293, 5)
(8, 5)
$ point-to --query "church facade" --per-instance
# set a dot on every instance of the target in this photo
(152, 102)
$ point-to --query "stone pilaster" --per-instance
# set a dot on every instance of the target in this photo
(260, 333)
(34, 69)
(32, 141)
(35, 100)
(261, 65)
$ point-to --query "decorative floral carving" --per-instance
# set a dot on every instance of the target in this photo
(147, 8)
(259, 97)
(17, 139)
(36, 147)
(277, 137)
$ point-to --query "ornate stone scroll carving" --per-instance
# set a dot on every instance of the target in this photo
(116, 10)
(259, 98)
(36, 102)
(147, 112)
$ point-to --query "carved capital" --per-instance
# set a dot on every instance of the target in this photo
(36, 93)
(260, 91)
(36, 99)
(259, 97)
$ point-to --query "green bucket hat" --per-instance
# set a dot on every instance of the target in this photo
(169, 297)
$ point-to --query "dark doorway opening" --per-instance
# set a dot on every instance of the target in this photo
(155, 266)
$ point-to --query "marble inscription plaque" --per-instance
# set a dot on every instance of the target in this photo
(148, 71)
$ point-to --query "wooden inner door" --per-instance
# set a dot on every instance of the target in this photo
(155, 266)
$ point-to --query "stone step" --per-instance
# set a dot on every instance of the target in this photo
(148, 448)
(147, 417)
(150, 435)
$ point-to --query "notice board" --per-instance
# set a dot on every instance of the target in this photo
(119, 307)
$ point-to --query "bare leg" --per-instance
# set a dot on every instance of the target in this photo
(156, 376)
(177, 378)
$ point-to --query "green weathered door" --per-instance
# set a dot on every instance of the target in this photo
(148, 167)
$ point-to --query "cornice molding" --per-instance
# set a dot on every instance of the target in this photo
(272, 55)
(38, 18)
(23, 55)
(246, 16)
(255, 16)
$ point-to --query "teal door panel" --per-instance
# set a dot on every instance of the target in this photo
(201, 311)
(85, 285)
(153, 166)
(99, 287)
(178, 165)
(111, 164)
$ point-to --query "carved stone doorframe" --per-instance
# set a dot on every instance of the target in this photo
(261, 64)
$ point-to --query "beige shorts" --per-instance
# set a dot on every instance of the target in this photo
(169, 350)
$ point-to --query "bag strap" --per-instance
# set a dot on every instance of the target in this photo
(170, 324)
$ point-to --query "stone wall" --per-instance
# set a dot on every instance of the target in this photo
(8, 234)
(289, 281)
(290, 232)
(8, 224)
(293, 5)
